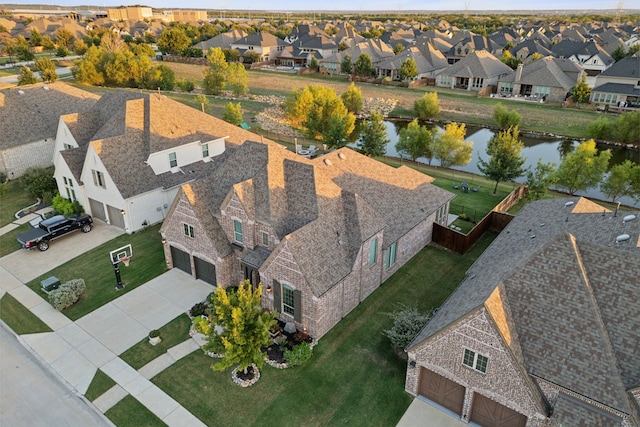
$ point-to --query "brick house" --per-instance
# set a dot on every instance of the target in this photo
(28, 121)
(320, 235)
(543, 331)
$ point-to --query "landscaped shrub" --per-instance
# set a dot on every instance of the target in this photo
(202, 325)
(199, 309)
(428, 106)
(600, 129)
(66, 207)
(298, 354)
(504, 118)
(407, 322)
(67, 294)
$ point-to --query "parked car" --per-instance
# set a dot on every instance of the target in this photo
(41, 217)
(52, 228)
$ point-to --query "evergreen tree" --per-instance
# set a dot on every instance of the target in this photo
(47, 70)
(582, 168)
(450, 147)
(26, 76)
(363, 66)
(428, 106)
(505, 162)
(408, 69)
(216, 75)
(232, 113)
(415, 141)
(245, 326)
(373, 136)
(540, 179)
(313, 64)
(581, 91)
(345, 65)
(352, 98)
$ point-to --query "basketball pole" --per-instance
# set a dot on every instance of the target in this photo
(119, 285)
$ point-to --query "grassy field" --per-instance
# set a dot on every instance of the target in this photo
(8, 242)
(100, 383)
(19, 318)
(131, 413)
(13, 197)
(172, 334)
(456, 105)
(94, 267)
(353, 368)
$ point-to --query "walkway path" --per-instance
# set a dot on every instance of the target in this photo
(75, 350)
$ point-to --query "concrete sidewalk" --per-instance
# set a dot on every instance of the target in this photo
(421, 413)
(75, 350)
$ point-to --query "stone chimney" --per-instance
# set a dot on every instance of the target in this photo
(519, 72)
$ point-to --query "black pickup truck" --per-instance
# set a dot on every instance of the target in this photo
(53, 228)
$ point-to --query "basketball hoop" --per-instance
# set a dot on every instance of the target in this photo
(125, 260)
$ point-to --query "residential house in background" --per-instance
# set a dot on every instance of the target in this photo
(620, 84)
(545, 79)
(320, 235)
(477, 71)
(265, 44)
(28, 122)
(125, 159)
(429, 61)
(222, 40)
(543, 331)
(589, 55)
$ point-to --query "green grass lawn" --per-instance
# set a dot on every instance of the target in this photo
(172, 334)
(354, 377)
(13, 197)
(131, 413)
(8, 242)
(100, 384)
(96, 269)
(19, 318)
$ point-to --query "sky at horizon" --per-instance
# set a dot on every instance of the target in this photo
(358, 6)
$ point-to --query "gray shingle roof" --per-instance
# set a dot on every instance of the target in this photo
(573, 292)
(33, 114)
(620, 88)
(564, 413)
(545, 72)
(478, 64)
(628, 67)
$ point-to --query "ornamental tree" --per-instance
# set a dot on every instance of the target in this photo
(173, 40)
(428, 106)
(245, 326)
(450, 147)
(408, 69)
(505, 162)
(540, 179)
(582, 168)
(415, 141)
(352, 98)
(364, 65)
(619, 181)
(47, 70)
(373, 136)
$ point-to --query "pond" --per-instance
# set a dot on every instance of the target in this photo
(548, 149)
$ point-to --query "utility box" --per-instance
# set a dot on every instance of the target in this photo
(50, 283)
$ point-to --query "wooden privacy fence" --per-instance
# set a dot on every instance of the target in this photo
(495, 220)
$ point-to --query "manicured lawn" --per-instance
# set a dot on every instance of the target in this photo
(19, 318)
(173, 333)
(96, 269)
(131, 413)
(8, 242)
(100, 383)
(354, 377)
(13, 197)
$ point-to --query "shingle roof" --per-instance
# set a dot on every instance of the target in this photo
(31, 113)
(564, 413)
(573, 292)
(628, 67)
(478, 64)
(621, 88)
(545, 72)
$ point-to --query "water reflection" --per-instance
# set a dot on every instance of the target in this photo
(548, 149)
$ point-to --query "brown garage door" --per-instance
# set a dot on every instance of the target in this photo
(205, 271)
(489, 413)
(181, 260)
(97, 209)
(441, 390)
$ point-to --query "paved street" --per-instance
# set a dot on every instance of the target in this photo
(30, 395)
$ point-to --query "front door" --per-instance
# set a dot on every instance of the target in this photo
(251, 274)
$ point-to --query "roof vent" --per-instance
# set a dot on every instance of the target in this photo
(21, 92)
(628, 218)
(342, 156)
(327, 162)
(622, 238)
(45, 87)
(569, 203)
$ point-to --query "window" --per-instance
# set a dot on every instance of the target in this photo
(68, 146)
(98, 178)
(205, 150)
(173, 160)
(373, 251)
(237, 229)
(188, 230)
(265, 239)
(287, 300)
(68, 186)
(391, 255)
(475, 360)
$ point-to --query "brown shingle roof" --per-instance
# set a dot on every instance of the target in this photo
(31, 113)
(480, 64)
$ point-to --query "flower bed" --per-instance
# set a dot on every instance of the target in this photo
(236, 376)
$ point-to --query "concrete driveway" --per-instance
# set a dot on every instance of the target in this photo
(421, 413)
(26, 265)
